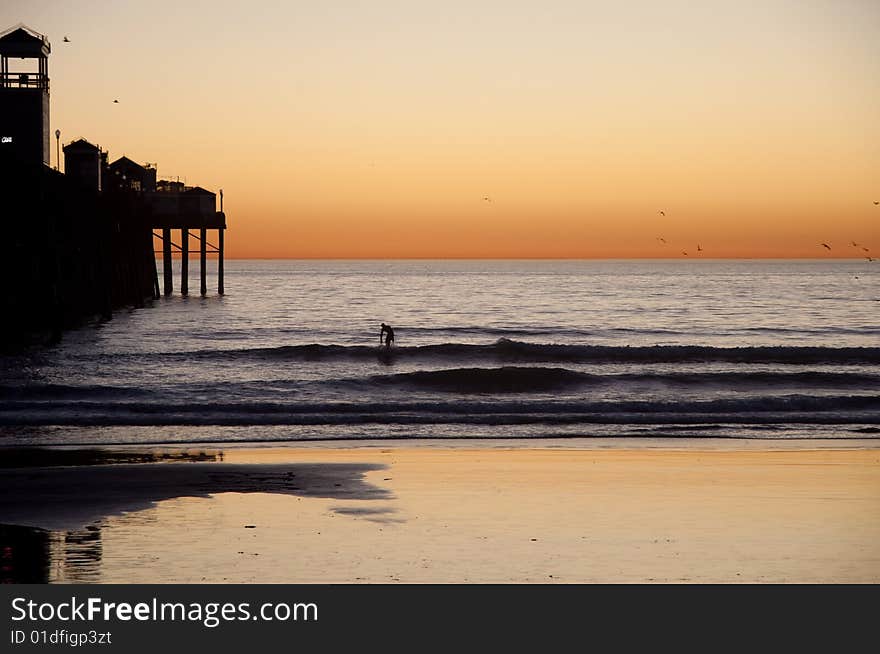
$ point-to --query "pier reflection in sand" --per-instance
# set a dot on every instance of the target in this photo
(29, 555)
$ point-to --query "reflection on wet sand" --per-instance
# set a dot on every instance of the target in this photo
(29, 555)
(76, 555)
(24, 555)
(54, 504)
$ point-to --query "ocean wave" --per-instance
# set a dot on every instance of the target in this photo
(53, 392)
(507, 379)
(510, 351)
(852, 409)
(503, 380)
(511, 379)
(569, 332)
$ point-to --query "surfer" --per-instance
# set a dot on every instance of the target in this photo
(388, 333)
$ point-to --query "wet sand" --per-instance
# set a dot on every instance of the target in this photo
(454, 514)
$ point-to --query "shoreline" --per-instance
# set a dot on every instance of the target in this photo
(78, 456)
(166, 451)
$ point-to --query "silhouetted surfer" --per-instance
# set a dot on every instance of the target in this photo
(387, 333)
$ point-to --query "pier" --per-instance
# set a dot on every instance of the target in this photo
(81, 240)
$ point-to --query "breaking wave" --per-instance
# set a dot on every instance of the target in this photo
(509, 351)
(850, 409)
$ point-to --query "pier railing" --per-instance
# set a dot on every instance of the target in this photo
(23, 81)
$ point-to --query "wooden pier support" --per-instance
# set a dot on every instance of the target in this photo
(166, 261)
(154, 272)
(184, 261)
(204, 260)
(188, 224)
(220, 233)
(156, 292)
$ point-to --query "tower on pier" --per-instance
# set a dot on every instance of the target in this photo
(24, 96)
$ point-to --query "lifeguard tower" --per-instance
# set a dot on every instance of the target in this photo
(24, 96)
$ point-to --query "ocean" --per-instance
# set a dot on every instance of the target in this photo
(757, 349)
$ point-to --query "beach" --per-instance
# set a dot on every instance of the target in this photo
(574, 511)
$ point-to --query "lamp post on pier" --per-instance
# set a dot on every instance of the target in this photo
(58, 150)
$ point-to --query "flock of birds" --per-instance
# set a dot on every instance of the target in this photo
(663, 240)
(855, 245)
(823, 244)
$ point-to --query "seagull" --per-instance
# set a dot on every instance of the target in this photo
(684, 253)
(116, 102)
(865, 250)
(869, 258)
(699, 249)
(662, 213)
(66, 40)
(854, 244)
(826, 246)
(661, 239)
(487, 198)
(876, 202)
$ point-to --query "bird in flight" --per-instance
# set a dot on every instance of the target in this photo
(876, 202)
(662, 213)
(699, 249)
(486, 198)
(684, 253)
(661, 239)
(116, 102)
(826, 246)
(865, 250)
(854, 244)
(66, 40)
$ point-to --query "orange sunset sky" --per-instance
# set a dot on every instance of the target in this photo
(376, 129)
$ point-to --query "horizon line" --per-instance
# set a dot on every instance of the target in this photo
(529, 258)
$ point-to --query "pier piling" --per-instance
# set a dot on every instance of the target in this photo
(184, 261)
(220, 233)
(166, 261)
(203, 260)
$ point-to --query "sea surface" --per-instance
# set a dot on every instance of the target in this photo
(484, 349)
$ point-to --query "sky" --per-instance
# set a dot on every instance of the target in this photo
(549, 129)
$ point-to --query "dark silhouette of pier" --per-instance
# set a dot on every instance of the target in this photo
(79, 243)
(173, 206)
